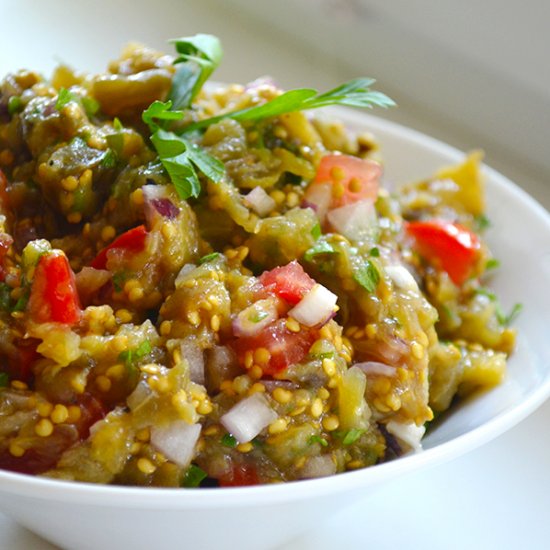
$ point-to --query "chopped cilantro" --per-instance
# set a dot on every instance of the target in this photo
(318, 439)
(118, 280)
(229, 441)
(21, 303)
(352, 436)
(367, 276)
(4, 379)
(506, 320)
(492, 263)
(316, 231)
(15, 103)
(374, 252)
(5, 297)
(319, 248)
(130, 356)
(117, 125)
(63, 98)
(482, 291)
(193, 476)
(109, 159)
(91, 105)
(482, 223)
(209, 257)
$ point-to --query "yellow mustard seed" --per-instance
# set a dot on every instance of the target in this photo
(355, 185)
(337, 173)
(116, 372)
(243, 252)
(205, 407)
(227, 387)
(103, 383)
(143, 435)
(256, 372)
(292, 325)
(86, 178)
(43, 427)
(257, 387)
(44, 409)
(146, 466)
(329, 366)
(323, 393)
(74, 414)
(299, 463)
(70, 183)
(194, 318)
(417, 350)
(137, 197)
(168, 231)
(108, 233)
(262, 356)
(136, 447)
(298, 410)
(278, 196)
(16, 449)
(59, 414)
(245, 447)
(211, 430)
(292, 199)
(354, 464)
(316, 408)
(163, 384)
(249, 359)
(331, 423)
(19, 385)
(277, 426)
(282, 396)
(215, 323)
(165, 327)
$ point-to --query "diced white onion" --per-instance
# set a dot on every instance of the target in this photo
(315, 307)
(318, 197)
(402, 277)
(407, 434)
(183, 274)
(357, 221)
(318, 466)
(255, 318)
(260, 201)
(248, 418)
(176, 441)
(194, 356)
(376, 368)
(141, 394)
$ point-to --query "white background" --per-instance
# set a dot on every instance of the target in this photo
(475, 74)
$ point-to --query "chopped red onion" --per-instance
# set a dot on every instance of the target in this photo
(318, 197)
(318, 466)
(260, 201)
(166, 208)
(255, 318)
(248, 418)
(158, 204)
(408, 433)
(315, 307)
(375, 368)
(357, 221)
(176, 441)
(393, 350)
(194, 356)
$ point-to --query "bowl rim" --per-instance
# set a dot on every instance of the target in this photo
(200, 498)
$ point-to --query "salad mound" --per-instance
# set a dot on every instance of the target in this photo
(210, 286)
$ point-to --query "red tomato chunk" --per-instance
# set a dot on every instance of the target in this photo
(290, 282)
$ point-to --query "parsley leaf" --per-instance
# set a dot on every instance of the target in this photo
(63, 98)
(319, 248)
(367, 276)
(159, 110)
(492, 263)
(229, 441)
(355, 93)
(506, 320)
(193, 476)
(109, 159)
(352, 436)
(15, 104)
(316, 231)
(199, 57)
(318, 439)
(91, 105)
(209, 257)
(374, 252)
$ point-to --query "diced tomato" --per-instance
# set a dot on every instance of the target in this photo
(20, 363)
(289, 282)
(285, 347)
(132, 240)
(241, 475)
(92, 410)
(353, 179)
(53, 296)
(448, 246)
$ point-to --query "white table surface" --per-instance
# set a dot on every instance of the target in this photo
(497, 497)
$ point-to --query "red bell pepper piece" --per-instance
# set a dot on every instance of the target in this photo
(132, 240)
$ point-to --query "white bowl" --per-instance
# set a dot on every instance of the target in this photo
(81, 516)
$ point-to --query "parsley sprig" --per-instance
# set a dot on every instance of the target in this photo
(198, 58)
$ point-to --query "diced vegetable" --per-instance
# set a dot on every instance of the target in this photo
(449, 246)
(255, 318)
(176, 441)
(316, 307)
(356, 221)
(290, 282)
(133, 241)
(248, 418)
(260, 201)
(53, 296)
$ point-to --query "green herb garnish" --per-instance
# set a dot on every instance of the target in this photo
(15, 103)
(209, 257)
(63, 98)
(355, 93)
(492, 263)
(374, 252)
(229, 441)
(4, 379)
(316, 231)
(482, 223)
(319, 248)
(109, 159)
(506, 319)
(193, 476)
(318, 439)
(367, 276)
(131, 356)
(352, 436)
(91, 105)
